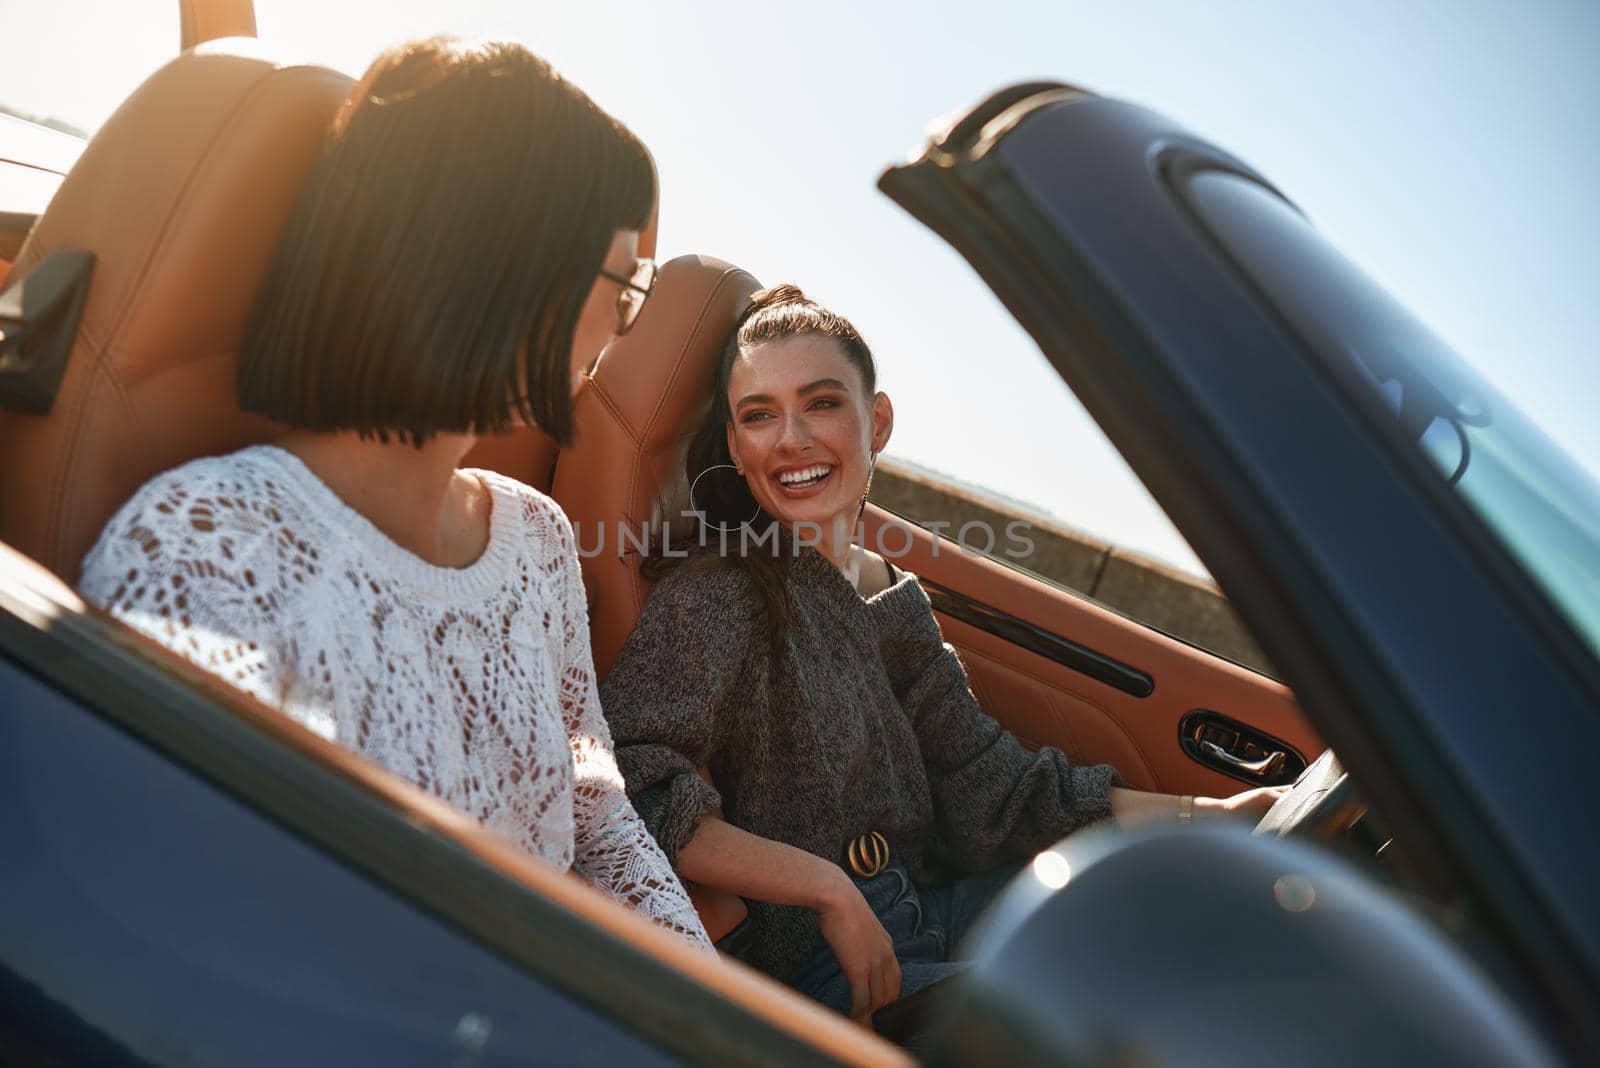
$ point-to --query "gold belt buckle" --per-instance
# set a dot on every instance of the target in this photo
(868, 854)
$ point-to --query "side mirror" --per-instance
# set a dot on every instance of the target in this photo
(1206, 946)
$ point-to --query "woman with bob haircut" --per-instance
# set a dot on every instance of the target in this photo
(872, 808)
(464, 246)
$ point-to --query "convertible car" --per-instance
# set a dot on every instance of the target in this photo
(187, 877)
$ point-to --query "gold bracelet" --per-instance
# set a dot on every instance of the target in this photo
(1186, 808)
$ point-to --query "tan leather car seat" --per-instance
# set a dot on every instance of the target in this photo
(181, 197)
(624, 471)
(644, 399)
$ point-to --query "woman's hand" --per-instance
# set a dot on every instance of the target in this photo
(863, 948)
(1248, 805)
(735, 860)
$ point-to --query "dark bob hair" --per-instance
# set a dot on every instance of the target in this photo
(431, 276)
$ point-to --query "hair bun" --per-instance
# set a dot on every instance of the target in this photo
(777, 296)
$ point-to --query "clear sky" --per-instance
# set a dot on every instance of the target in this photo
(1450, 147)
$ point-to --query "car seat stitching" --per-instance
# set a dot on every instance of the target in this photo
(60, 475)
(610, 405)
(79, 401)
(61, 507)
(615, 409)
(706, 306)
(225, 129)
(641, 439)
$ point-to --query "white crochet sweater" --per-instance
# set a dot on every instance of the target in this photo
(476, 683)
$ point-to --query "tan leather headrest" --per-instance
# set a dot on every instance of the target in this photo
(643, 402)
(181, 197)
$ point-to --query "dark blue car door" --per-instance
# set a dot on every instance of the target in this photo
(183, 881)
(1316, 447)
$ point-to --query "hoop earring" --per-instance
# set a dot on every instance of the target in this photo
(697, 510)
(872, 467)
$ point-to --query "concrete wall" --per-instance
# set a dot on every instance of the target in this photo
(1186, 607)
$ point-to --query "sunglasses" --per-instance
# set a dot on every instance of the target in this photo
(635, 291)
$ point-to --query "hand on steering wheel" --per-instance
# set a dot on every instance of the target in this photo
(1248, 805)
(1322, 802)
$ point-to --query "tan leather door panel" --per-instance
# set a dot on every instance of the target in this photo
(1045, 702)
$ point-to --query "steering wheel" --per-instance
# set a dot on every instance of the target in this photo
(1322, 802)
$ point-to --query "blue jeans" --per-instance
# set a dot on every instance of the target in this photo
(925, 926)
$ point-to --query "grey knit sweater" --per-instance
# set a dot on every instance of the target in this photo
(865, 722)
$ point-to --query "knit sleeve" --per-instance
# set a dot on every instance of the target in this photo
(995, 800)
(667, 690)
(612, 848)
(191, 562)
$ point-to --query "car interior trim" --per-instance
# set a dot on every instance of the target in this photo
(1064, 651)
(1247, 752)
(1044, 702)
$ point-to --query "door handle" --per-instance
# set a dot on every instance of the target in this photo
(1238, 750)
(1267, 766)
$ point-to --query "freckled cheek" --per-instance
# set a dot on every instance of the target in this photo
(844, 438)
(748, 443)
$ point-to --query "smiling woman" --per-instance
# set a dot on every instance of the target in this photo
(800, 407)
(795, 425)
(810, 676)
